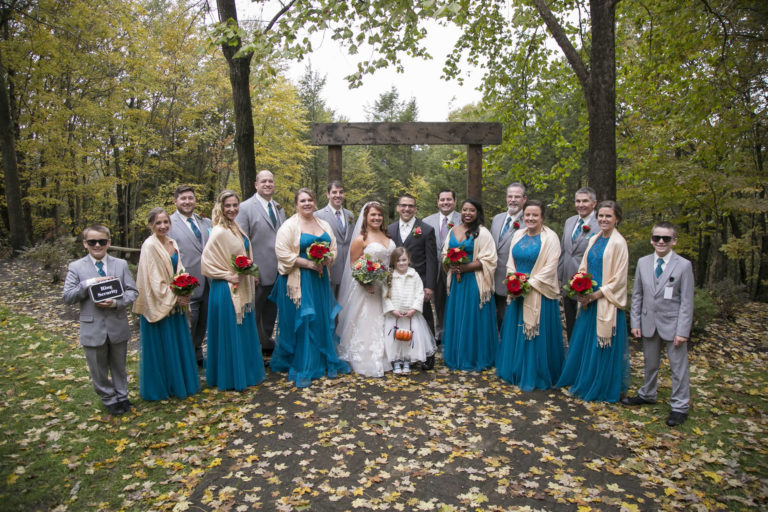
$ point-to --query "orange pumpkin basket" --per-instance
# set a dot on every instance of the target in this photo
(405, 335)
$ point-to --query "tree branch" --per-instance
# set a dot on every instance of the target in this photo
(722, 19)
(278, 15)
(570, 52)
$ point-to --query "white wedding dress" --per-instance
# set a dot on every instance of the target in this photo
(361, 321)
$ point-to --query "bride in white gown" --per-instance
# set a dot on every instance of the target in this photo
(361, 321)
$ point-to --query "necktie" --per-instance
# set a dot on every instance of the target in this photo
(272, 214)
(443, 229)
(659, 270)
(100, 268)
(341, 223)
(195, 230)
(577, 231)
(505, 228)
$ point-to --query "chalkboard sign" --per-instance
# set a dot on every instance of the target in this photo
(107, 289)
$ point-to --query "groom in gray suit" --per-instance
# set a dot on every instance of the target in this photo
(662, 312)
(104, 329)
(576, 234)
(191, 234)
(260, 217)
(442, 222)
(503, 227)
(340, 220)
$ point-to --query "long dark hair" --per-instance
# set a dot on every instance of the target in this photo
(473, 229)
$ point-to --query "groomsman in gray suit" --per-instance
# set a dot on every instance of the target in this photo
(261, 217)
(576, 233)
(662, 313)
(104, 329)
(442, 222)
(503, 227)
(191, 234)
(340, 220)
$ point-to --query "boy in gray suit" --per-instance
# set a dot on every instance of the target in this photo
(662, 312)
(104, 329)
(191, 231)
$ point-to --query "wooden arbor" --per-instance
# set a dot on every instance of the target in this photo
(474, 135)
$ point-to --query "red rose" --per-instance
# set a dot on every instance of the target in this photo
(581, 284)
(243, 262)
(456, 254)
(585, 228)
(516, 225)
(417, 231)
(514, 286)
(318, 251)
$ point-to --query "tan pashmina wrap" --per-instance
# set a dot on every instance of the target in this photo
(287, 249)
(614, 287)
(216, 263)
(153, 280)
(543, 278)
(485, 253)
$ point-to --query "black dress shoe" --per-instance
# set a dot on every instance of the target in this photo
(115, 409)
(676, 418)
(125, 405)
(635, 400)
(429, 364)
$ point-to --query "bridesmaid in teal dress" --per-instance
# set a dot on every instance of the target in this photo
(306, 341)
(233, 359)
(470, 336)
(597, 365)
(531, 352)
(167, 365)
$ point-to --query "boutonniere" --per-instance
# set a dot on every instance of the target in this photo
(671, 279)
(516, 225)
(585, 228)
(417, 231)
(450, 225)
(350, 219)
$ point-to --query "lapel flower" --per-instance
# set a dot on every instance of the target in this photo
(350, 219)
(585, 228)
(450, 225)
(671, 279)
(516, 225)
(417, 231)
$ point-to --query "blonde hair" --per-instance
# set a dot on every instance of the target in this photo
(217, 215)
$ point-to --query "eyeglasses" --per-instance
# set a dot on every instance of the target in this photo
(659, 238)
(407, 205)
(101, 241)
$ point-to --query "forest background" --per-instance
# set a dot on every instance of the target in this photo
(107, 106)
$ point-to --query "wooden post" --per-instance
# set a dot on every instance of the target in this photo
(475, 171)
(334, 163)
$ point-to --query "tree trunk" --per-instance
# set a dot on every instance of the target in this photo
(239, 74)
(17, 231)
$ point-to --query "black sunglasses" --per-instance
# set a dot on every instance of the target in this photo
(100, 241)
(658, 238)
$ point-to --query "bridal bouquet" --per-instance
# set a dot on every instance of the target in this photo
(367, 270)
(244, 265)
(517, 284)
(318, 252)
(184, 284)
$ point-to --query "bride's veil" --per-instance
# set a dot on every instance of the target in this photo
(347, 282)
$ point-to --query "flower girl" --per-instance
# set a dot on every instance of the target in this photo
(407, 335)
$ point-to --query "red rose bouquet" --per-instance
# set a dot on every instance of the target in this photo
(456, 256)
(581, 283)
(184, 284)
(244, 265)
(366, 270)
(517, 284)
(319, 252)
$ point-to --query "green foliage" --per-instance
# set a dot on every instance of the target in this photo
(704, 310)
(52, 255)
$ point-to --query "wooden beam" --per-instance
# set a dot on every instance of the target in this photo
(355, 134)
(334, 163)
(475, 171)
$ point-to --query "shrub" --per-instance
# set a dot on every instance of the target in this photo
(53, 256)
(704, 310)
(729, 297)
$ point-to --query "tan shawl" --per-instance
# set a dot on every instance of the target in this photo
(153, 280)
(216, 263)
(287, 249)
(543, 278)
(614, 287)
(485, 253)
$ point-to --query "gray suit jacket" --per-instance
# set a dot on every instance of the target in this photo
(97, 323)
(571, 252)
(254, 220)
(342, 239)
(189, 248)
(434, 221)
(651, 312)
(503, 246)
